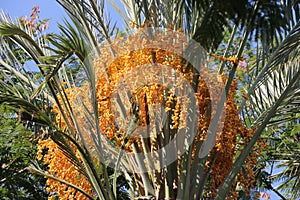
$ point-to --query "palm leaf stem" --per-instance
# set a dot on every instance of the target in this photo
(36, 170)
(227, 48)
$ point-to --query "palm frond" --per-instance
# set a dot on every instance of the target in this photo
(69, 41)
(37, 50)
(36, 114)
(89, 17)
(272, 80)
(288, 177)
(34, 168)
(270, 107)
(287, 164)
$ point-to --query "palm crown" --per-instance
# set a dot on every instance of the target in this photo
(86, 122)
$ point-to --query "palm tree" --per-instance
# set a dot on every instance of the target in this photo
(272, 89)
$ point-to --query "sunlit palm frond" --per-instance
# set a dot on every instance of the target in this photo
(269, 92)
(289, 172)
(51, 66)
(272, 80)
(89, 17)
(18, 46)
(272, 93)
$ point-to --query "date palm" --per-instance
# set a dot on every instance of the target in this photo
(272, 89)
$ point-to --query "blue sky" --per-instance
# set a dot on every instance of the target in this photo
(49, 9)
